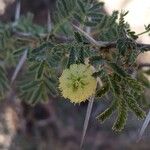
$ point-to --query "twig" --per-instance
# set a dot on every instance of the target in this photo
(88, 113)
(93, 41)
(87, 117)
(144, 126)
(10, 96)
(142, 32)
(19, 66)
(49, 23)
(17, 12)
(107, 45)
(90, 104)
(142, 65)
(100, 44)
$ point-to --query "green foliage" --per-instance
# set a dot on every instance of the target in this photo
(137, 86)
(133, 105)
(144, 80)
(121, 85)
(124, 44)
(25, 24)
(108, 112)
(38, 83)
(118, 69)
(103, 90)
(122, 115)
(95, 59)
(78, 37)
(4, 86)
(72, 57)
(81, 56)
(50, 53)
(99, 73)
(77, 10)
(122, 25)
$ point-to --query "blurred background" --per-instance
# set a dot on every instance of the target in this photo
(57, 125)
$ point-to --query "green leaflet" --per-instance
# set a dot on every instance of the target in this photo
(81, 5)
(78, 37)
(96, 6)
(125, 46)
(65, 6)
(99, 73)
(122, 24)
(80, 58)
(78, 17)
(118, 69)
(49, 84)
(117, 78)
(19, 51)
(40, 70)
(72, 57)
(134, 84)
(33, 66)
(147, 72)
(38, 91)
(108, 112)
(103, 22)
(42, 47)
(96, 15)
(116, 86)
(143, 79)
(102, 90)
(4, 86)
(90, 23)
(2, 74)
(95, 59)
(30, 85)
(133, 105)
(122, 46)
(122, 116)
(113, 18)
(35, 97)
(44, 94)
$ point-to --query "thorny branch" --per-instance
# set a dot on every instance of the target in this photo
(107, 45)
(63, 39)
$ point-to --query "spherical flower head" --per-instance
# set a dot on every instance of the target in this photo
(77, 83)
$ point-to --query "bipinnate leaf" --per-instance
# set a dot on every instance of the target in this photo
(122, 116)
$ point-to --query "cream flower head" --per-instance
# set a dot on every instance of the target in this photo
(77, 83)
